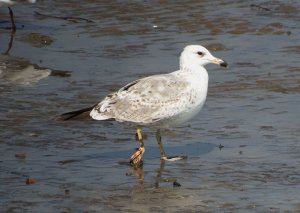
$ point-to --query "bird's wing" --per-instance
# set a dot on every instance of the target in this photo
(145, 100)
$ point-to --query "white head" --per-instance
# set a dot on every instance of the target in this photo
(194, 56)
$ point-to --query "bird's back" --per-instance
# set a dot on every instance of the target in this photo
(156, 100)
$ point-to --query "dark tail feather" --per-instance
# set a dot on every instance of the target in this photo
(76, 113)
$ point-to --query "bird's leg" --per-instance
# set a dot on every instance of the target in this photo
(162, 151)
(161, 148)
(13, 25)
(136, 158)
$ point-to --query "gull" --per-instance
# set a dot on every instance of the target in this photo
(9, 3)
(161, 101)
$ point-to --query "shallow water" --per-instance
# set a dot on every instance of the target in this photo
(252, 107)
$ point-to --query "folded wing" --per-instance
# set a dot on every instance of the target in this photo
(145, 101)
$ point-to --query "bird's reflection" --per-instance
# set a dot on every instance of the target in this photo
(139, 173)
(159, 178)
(19, 71)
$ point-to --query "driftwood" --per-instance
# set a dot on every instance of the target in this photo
(256, 6)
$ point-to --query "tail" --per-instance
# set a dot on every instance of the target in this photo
(76, 113)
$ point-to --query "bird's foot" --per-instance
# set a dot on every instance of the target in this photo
(136, 158)
(173, 158)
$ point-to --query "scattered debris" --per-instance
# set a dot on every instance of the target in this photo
(37, 40)
(221, 146)
(176, 184)
(20, 155)
(30, 180)
(256, 6)
(60, 73)
(63, 162)
(68, 18)
(216, 47)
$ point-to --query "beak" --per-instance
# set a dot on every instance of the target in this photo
(219, 62)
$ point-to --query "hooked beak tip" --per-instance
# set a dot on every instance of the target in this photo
(223, 64)
(220, 62)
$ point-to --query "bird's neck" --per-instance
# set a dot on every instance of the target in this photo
(192, 67)
(186, 64)
(195, 72)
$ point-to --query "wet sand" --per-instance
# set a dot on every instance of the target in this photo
(243, 148)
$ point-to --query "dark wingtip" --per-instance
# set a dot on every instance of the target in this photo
(73, 114)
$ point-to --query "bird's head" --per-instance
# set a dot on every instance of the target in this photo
(197, 55)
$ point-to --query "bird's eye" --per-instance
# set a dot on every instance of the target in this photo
(200, 53)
